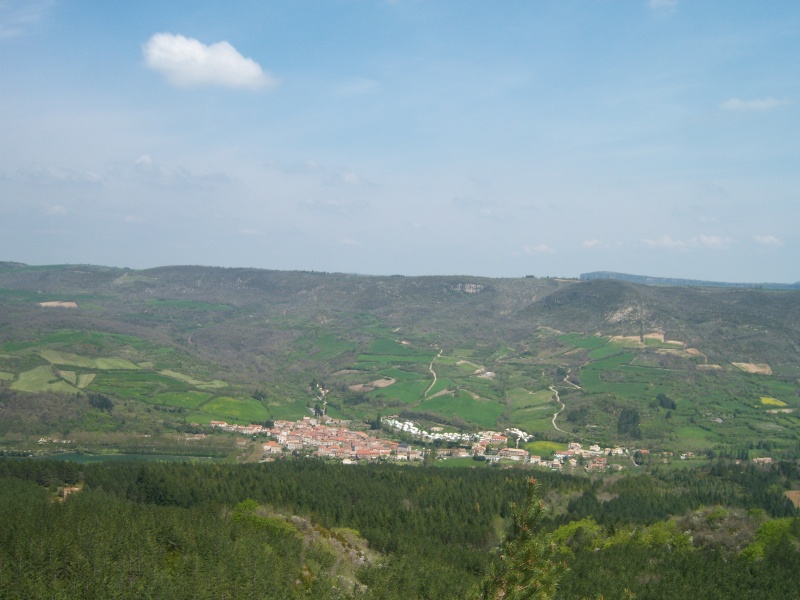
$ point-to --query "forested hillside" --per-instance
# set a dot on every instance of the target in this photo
(310, 529)
(163, 348)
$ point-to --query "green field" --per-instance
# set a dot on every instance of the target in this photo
(182, 399)
(521, 398)
(57, 357)
(41, 379)
(328, 346)
(203, 385)
(293, 410)
(233, 410)
(141, 385)
(578, 340)
(407, 392)
(442, 383)
(482, 412)
(188, 305)
(544, 448)
(386, 346)
(401, 375)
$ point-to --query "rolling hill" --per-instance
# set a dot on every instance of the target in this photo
(172, 346)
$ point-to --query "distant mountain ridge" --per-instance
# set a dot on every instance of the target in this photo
(648, 280)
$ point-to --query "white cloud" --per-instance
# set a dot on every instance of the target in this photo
(768, 240)
(147, 170)
(187, 62)
(348, 242)
(756, 104)
(591, 243)
(17, 16)
(703, 241)
(250, 232)
(665, 241)
(47, 175)
(713, 241)
(351, 178)
(538, 249)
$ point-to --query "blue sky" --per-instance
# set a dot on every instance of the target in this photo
(412, 137)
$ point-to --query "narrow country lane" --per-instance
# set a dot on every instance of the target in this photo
(430, 368)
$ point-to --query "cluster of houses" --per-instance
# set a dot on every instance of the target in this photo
(327, 438)
(437, 433)
(594, 457)
(331, 438)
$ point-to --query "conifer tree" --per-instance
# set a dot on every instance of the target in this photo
(526, 569)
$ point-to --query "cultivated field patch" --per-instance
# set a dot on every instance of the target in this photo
(482, 412)
(41, 379)
(442, 385)
(85, 379)
(402, 375)
(372, 385)
(189, 399)
(58, 304)
(57, 357)
(544, 448)
(238, 410)
(203, 385)
(521, 398)
(406, 392)
(767, 401)
(69, 376)
(758, 369)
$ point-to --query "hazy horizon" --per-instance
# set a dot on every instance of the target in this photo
(652, 137)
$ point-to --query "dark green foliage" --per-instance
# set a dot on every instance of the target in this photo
(525, 568)
(101, 402)
(628, 423)
(665, 401)
(180, 530)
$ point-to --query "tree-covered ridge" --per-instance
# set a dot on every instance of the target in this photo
(647, 279)
(292, 529)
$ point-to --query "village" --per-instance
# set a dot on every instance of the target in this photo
(331, 438)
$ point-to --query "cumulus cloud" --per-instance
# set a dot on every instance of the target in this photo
(756, 104)
(768, 240)
(187, 62)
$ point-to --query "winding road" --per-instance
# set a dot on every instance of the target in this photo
(430, 368)
(555, 414)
